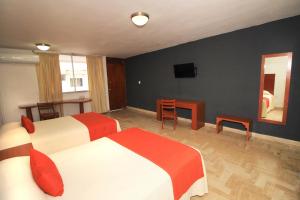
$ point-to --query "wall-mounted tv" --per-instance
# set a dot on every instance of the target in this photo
(187, 70)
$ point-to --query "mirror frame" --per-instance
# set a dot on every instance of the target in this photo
(287, 88)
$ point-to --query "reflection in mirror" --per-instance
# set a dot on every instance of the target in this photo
(274, 87)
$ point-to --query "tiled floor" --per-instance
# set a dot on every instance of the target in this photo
(275, 114)
(235, 169)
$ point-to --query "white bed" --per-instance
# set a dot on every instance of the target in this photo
(102, 169)
(50, 136)
(12, 135)
(267, 107)
(54, 135)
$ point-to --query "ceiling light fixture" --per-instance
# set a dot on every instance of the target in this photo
(139, 18)
(43, 46)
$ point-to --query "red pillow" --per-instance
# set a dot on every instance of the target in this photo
(27, 124)
(45, 173)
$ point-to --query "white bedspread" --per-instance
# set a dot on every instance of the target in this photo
(13, 137)
(57, 134)
(16, 181)
(50, 136)
(101, 169)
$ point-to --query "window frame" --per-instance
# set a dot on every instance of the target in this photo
(73, 75)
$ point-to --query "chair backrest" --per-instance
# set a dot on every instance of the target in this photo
(45, 108)
(168, 104)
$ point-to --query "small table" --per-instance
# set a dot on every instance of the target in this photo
(244, 121)
(28, 107)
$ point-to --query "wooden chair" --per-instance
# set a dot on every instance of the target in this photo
(46, 111)
(168, 111)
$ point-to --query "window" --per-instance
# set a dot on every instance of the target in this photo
(76, 82)
(73, 71)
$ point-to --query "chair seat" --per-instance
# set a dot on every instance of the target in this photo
(168, 114)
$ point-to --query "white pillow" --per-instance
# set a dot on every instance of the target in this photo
(9, 126)
(267, 92)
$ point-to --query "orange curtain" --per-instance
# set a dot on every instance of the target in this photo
(96, 84)
(49, 79)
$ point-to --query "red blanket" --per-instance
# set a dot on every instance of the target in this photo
(267, 101)
(181, 162)
(98, 125)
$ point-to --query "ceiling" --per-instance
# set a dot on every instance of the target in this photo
(101, 27)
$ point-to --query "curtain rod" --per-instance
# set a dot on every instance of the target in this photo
(60, 53)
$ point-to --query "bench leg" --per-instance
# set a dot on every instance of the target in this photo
(248, 133)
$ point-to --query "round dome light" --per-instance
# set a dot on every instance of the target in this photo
(43, 46)
(139, 18)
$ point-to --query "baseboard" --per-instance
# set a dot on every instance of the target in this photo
(154, 113)
(233, 130)
(115, 110)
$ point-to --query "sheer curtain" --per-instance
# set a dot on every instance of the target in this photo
(97, 84)
(49, 79)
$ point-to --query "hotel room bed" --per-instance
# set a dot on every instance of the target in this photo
(54, 135)
(132, 165)
(267, 103)
(57, 134)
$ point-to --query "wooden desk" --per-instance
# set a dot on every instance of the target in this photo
(28, 107)
(197, 107)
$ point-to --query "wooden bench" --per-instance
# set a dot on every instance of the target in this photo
(244, 121)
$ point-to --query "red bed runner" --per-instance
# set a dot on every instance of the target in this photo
(267, 101)
(98, 125)
(181, 162)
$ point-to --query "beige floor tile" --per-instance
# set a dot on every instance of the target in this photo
(236, 170)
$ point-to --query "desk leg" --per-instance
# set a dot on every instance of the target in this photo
(194, 118)
(29, 113)
(195, 125)
(198, 116)
(219, 126)
(81, 107)
(158, 110)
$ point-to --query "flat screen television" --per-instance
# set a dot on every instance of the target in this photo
(187, 70)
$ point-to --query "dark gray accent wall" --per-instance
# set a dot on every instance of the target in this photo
(228, 74)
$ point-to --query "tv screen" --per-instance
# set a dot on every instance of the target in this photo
(186, 70)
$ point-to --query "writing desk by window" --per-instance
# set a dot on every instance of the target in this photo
(28, 107)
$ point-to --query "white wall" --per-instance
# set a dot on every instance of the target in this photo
(278, 66)
(18, 85)
(71, 109)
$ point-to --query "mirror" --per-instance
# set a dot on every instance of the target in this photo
(274, 87)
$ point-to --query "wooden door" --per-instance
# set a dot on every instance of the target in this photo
(116, 83)
(269, 83)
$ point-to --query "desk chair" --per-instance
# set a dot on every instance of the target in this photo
(168, 111)
(46, 111)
